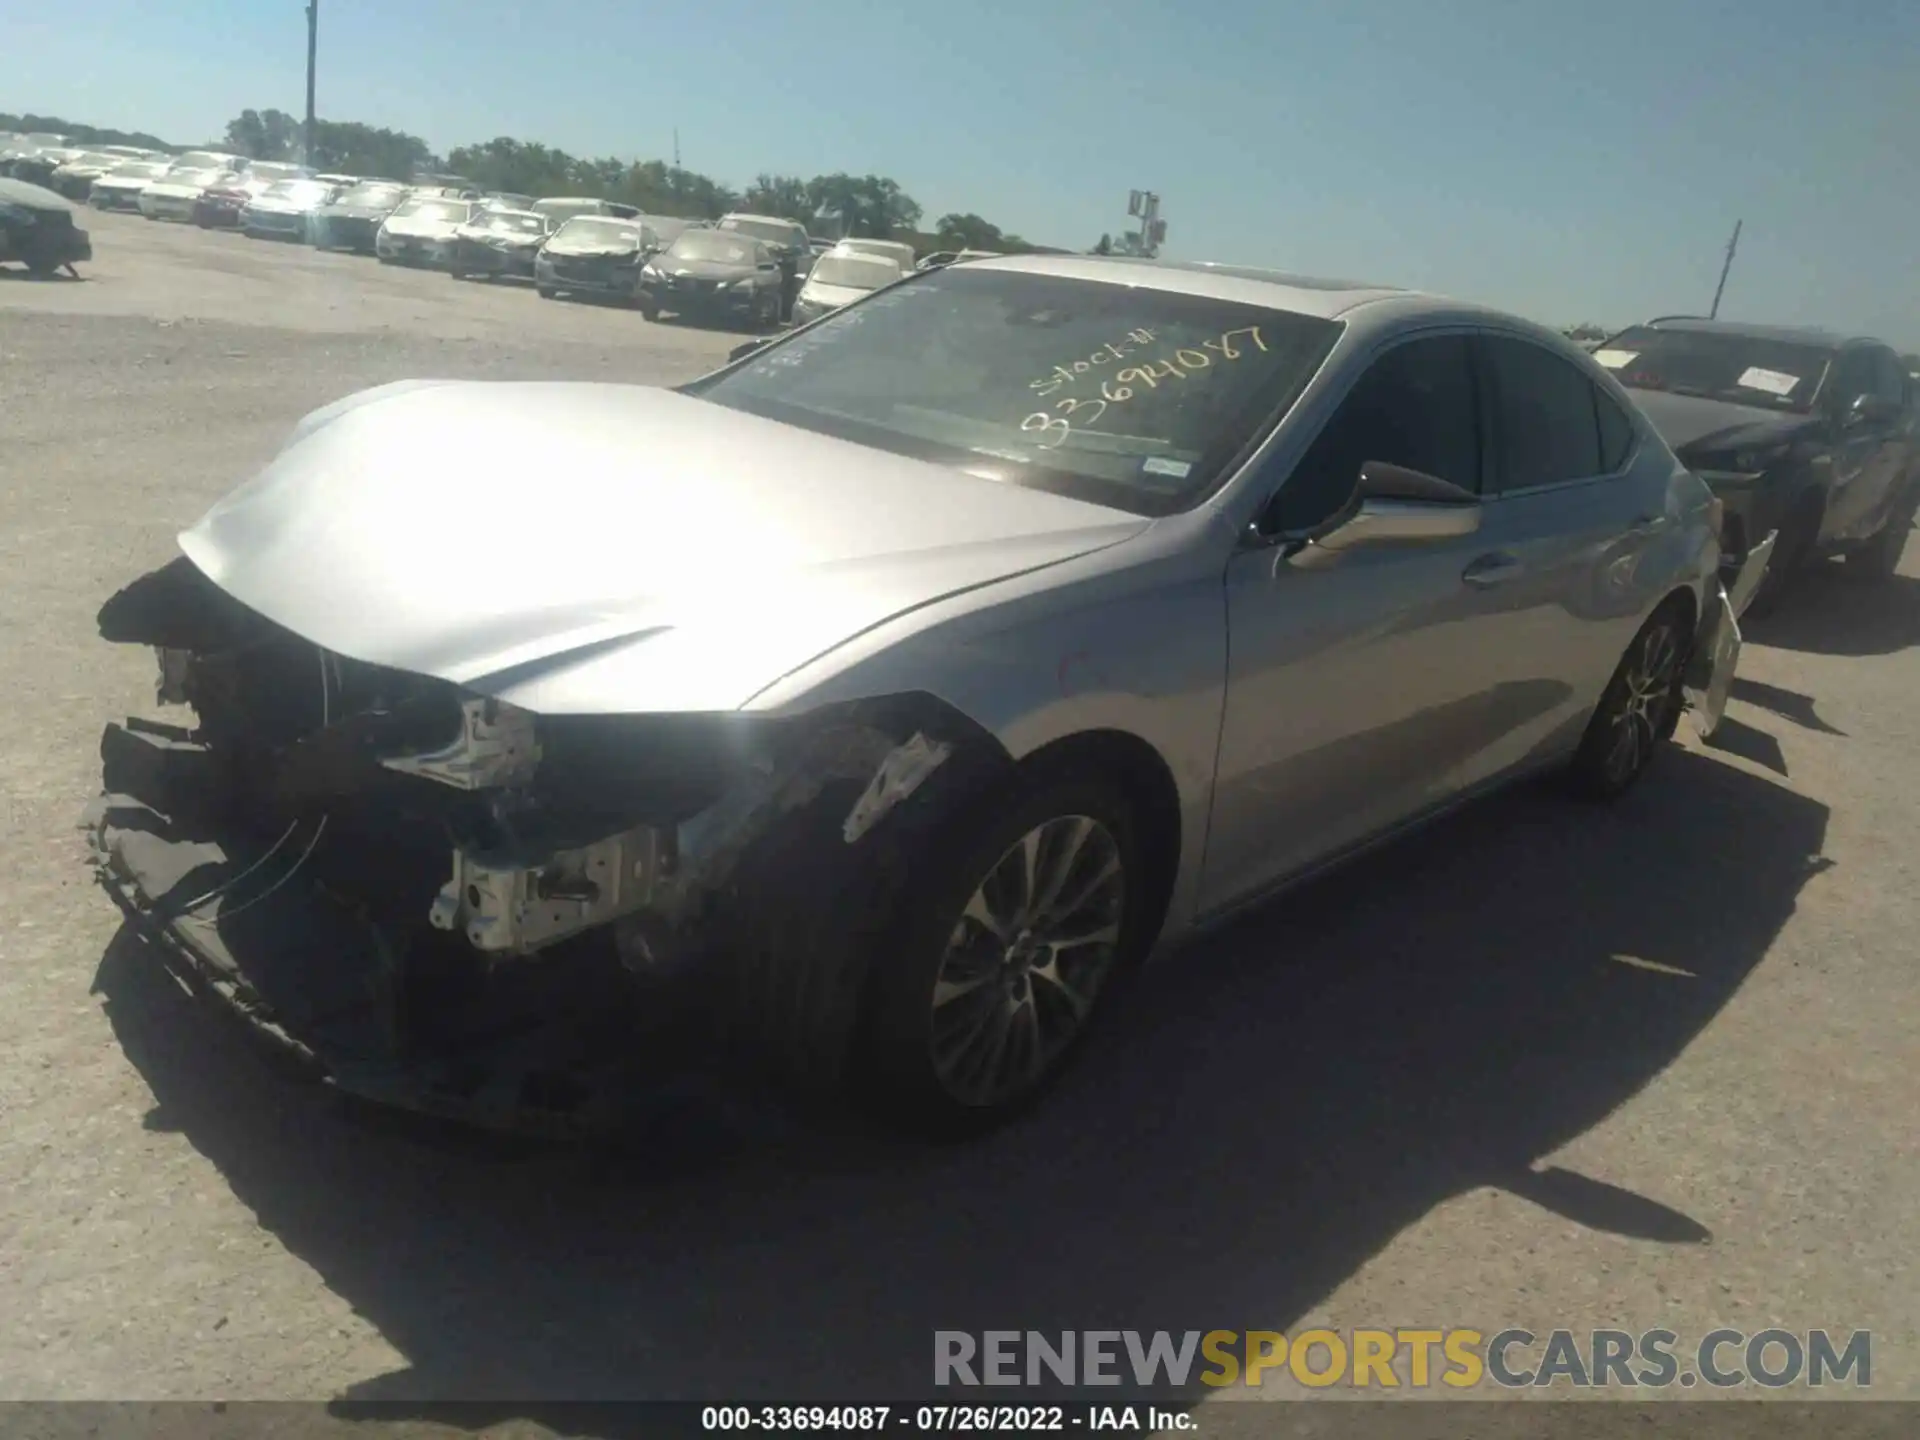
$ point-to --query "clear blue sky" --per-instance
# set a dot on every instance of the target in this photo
(1571, 161)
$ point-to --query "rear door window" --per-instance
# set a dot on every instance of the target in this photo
(1547, 429)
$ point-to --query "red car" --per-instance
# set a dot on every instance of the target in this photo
(219, 206)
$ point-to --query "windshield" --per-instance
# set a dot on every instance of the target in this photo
(601, 230)
(95, 158)
(372, 195)
(1747, 370)
(1122, 395)
(202, 160)
(774, 232)
(855, 272)
(310, 191)
(139, 170)
(713, 245)
(511, 224)
(201, 178)
(431, 210)
(563, 208)
(274, 172)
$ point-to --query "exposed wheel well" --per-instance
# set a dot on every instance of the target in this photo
(1683, 600)
(1148, 783)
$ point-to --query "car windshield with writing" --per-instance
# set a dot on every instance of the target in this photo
(1123, 395)
(1751, 370)
(712, 247)
(774, 232)
(854, 272)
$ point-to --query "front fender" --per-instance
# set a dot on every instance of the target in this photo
(1717, 642)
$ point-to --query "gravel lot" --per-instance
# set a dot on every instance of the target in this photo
(1544, 1066)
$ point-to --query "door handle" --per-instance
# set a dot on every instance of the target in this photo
(1490, 570)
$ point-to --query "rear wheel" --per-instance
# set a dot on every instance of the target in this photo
(546, 292)
(1640, 709)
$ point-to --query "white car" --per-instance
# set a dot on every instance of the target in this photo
(174, 194)
(839, 279)
(897, 251)
(121, 187)
(421, 231)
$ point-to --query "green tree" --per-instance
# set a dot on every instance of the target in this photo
(1105, 247)
(351, 148)
(787, 196)
(869, 206)
(264, 135)
(82, 134)
(969, 232)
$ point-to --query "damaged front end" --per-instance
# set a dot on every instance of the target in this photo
(433, 899)
(1716, 646)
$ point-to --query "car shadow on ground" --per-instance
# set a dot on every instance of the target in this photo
(1272, 1108)
(1827, 612)
(68, 277)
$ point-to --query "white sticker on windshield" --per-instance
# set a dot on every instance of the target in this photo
(1771, 381)
(1160, 465)
(1616, 359)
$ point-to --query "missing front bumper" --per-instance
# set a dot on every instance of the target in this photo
(1717, 643)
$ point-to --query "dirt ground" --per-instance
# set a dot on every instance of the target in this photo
(1544, 1066)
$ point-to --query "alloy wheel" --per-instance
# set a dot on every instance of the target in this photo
(1026, 960)
(1649, 691)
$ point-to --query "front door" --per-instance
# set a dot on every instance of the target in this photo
(1353, 690)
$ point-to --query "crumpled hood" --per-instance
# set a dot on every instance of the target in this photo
(681, 556)
(818, 292)
(1693, 425)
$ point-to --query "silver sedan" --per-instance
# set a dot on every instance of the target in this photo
(894, 690)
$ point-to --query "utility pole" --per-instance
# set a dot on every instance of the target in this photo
(313, 51)
(676, 147)
(1145, 206)
(1720, 289)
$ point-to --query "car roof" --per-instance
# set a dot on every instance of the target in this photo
(1277, 289)
(1787, 334)
(32, 197)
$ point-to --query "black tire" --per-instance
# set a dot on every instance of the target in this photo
(1879, 559)
(546, 292)
(1003, 1007)
(1792, 549)
(1640, 708)
(455, 273)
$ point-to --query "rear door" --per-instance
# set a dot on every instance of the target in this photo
(1865, 453)
(1565, 523)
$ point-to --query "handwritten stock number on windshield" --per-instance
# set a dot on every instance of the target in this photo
(1105, 355)
(1053, 429)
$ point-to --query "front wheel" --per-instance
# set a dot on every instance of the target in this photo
(546, 292)
(1640, 709)
(1013, 928)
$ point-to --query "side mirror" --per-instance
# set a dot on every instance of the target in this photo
(1868, 409)
(1391, 504)
(741, 352)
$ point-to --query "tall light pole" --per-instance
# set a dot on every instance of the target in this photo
(1720, 289)
(313, 50)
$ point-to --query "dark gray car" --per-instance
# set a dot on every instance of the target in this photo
(353, 220)
(1801, 432)
(716, 275)
(37, 229)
